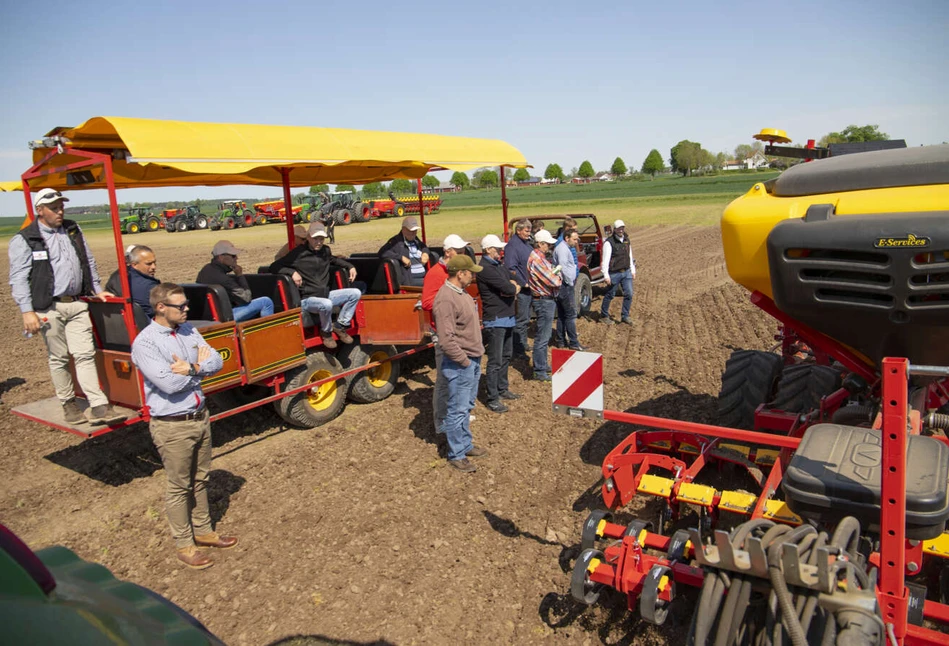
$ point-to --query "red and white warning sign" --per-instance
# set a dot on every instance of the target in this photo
(577, 382)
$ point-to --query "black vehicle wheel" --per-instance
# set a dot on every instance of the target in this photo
(248, 218)
(260, 219)
(583, 291)
(308, 216)
(375, 384)
(591, 528)
(360, 213)
(181, 225)
(201, 222)
(747, 382)
(170, 226)
(133, 227)
(343, 217)
(153, 224)
(214, 223)
(802, 386)
(309, 409)
(399, 209)
(229, 223)
(581, 587)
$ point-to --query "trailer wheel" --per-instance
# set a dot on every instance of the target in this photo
(201, 222)
(214, 224)
(375, 384)
(747, 382)
(181, 225)
(343, 217)
(581, 587)
(260, 219)
(229, 222)
(313, 408)
(399, 209)
(170, 226)
(591, 527)
(583, 290)
(802, 386)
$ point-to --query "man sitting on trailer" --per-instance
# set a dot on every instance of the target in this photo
(141, 269)
(173, 357)
(409, 251)
(309, 267)
(299, 238)
(51, 266)
(223, 270)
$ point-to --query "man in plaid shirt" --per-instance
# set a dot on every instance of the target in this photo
(544, 281)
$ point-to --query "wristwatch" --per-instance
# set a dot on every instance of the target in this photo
(192, 371)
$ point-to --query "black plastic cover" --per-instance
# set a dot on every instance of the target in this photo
(836, 473)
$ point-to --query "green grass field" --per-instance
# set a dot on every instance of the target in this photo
(668, 200)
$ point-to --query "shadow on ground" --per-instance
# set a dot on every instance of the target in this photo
(323, 640)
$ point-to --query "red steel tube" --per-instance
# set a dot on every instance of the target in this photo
(288, 206)
(703, 429)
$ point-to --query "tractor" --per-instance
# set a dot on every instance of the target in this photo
(824, 518)
(139, 219)
(190, 217)
(236, 211)
(349, 202)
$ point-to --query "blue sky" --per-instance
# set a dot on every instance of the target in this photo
(561, 81)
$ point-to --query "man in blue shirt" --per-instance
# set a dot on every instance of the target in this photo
(566, 298)
(516, 254)
(409, 251)
(173, 357)
(141, 269)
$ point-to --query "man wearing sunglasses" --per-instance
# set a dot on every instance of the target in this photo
(174, 358)
(51, 267)
(223, 270)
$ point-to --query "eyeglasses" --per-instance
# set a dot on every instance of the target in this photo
(181, 308)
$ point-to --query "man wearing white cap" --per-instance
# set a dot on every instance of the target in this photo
(618, 268)
(410, 252)
(434, 279)
(51, 267)
(223, 270)
(309, 267)
(498, 292)
(544, 281)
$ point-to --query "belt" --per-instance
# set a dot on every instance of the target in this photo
(544, 298)
(65, 299)
(187, 417)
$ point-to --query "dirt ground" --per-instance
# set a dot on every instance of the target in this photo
(357, 531)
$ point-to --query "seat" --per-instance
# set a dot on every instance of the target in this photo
(280, 288)
(208, 304)
(381, 275)
(110, 327)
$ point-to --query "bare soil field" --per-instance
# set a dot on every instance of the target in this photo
(357, 531)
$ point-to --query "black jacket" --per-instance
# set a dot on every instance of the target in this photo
(313, 266)
(141, 286)
(41, 273)
(217, 273)
(497, 292)
(395, 248)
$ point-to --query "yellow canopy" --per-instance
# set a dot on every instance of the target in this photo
(7, 187)
(149, 152)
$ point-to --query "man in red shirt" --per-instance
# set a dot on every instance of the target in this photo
(434, 279)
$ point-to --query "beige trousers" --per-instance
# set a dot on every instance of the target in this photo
(69, 332)
(185, 449)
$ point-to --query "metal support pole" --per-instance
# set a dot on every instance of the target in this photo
(504, 202)
(421, 210)
(288, 206)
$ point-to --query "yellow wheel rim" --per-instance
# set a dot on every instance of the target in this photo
(134, 228)
(321, 397)
(152, 225)
(380, 375)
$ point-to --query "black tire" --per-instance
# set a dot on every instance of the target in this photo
(308, 217)
(309, 410)
(153, 224)
(133, 227)
(201, 222)
(748, 381)
(360, 213)
(399, 209)
(181, 225)
(583, 290)
(260, 219)
(214, 224)
(247, 218)
(802, 386)
(170, 226)
(371, 385)
(229, 223)
(343, 217)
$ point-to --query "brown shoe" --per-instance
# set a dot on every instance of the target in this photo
(72, 413)
(477, 452)
(194, 559)
(464, 465)
(216, 540)
(104, 414)
(328, 340)
(342, 334)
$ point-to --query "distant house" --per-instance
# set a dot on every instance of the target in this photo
(603, 176)
(754, 162)
(443, 187)
(582, 180)
(552, 180)
(531, 181)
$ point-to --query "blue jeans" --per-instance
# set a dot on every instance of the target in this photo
(626, 278)
(567, 317)
(544, 310)
(345, 299)
(462, 390)
(439, 393)
(523, 320)
(262, 306)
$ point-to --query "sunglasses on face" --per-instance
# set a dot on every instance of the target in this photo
(181, 308)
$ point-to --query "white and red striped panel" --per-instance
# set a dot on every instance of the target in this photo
(577, 379)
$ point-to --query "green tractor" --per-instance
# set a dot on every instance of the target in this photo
(139, 219)
(312, 207)
(233, 214)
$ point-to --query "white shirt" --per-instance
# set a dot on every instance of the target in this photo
(608, 253)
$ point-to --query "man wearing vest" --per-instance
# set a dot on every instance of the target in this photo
(618, 268)
(51, 266)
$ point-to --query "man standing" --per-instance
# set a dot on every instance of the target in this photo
(223, 270)
(566, 332)
(618, 268)
(409, 251)
(309, 267)
(141, 269)
(498, 292)
(459, 335)
(173, 357)
(434, 280)
(516, 253)
(544, 281)
(51, 266)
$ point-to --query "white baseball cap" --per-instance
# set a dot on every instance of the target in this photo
(453, 241)
(223, 247)
(492, 241)
(544, 236)
(317, 229)
(410, 224)
(618, 224)
(48, 196)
